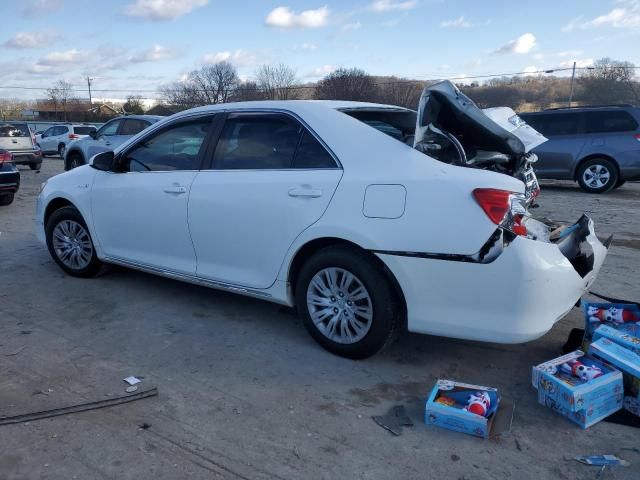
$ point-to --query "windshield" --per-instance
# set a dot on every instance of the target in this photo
(14, 130)
(83, 130)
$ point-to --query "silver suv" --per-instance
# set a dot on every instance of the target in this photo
(54, 140)
(17, 139)
(599, 147)
(112, 134)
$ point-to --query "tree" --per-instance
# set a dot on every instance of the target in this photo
(609, 81)
(347, 84)
(134, 105)
(276, 82)
(247, 91)
(181, 95)
(401, 92)
(60, 94)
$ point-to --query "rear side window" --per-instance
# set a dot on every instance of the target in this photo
(83, 130)
(250, 142)
(554, 123)
(176, 147)
(609, 121)
(133, 126)
(14, 130)
(311, 154)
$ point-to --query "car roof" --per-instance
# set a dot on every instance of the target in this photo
(586, 108)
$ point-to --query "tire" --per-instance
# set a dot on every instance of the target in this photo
(6, 199)
(620, 183)
(61, 149)
(375, 330)
(597, 175)
(67, 229)
(74, 159)
(35, 166)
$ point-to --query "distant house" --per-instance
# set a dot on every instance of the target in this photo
(73, 111)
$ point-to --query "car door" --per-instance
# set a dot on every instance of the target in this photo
(140, 210)
(45, 140)
(270, 178)
(557, 156)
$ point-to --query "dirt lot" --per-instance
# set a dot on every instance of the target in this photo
(244, 391)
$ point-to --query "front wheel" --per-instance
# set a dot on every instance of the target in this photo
(6, 199)
(70, 244)
(347, 303)
(74, 160)
(35, 166)
(597, 175)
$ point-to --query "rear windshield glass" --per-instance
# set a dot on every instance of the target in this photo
(399, 124)
(14, 130)
(84, 130)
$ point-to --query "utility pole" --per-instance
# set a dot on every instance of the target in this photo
(89, 80)
(573, 79)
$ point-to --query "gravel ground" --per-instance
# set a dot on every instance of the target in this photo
(245, 393)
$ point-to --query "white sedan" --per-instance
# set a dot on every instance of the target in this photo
(326, 207)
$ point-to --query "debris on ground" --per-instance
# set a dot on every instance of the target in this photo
(602, 460)
(28, 417)
(394, 420)
(131, 388)
(131, 380)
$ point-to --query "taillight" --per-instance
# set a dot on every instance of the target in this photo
(504, 208)
(495, 203)
(6, 157)
(73, 136)
(637, 136)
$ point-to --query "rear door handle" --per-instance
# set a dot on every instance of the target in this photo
(176, 190)
(305, 192)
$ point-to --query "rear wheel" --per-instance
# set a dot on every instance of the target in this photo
(347, 303)
(597, 175)
(35, 166)
(6, 199)
(70, 243)
(74, 159)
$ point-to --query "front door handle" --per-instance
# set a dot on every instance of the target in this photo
(176, 190)
(305, 192)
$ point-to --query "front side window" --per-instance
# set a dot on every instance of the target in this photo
(109, 129)
(133, 126)
(176, 147)
(264, 142)
(608, 122)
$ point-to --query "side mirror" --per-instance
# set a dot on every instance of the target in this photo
(103, 161)
(93, 134)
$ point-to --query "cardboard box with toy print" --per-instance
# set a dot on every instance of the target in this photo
(620, 316)
(579, 387)
(627, 336)
(627, 362)
(471, 409)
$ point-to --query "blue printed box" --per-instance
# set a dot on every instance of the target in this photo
(446, 404)
(627, 362)
(567, 386)
(624, 316)
(627, 336)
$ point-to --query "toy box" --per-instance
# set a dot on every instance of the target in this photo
(617, 315)
(579, 387)
(451, 405)
(627, 362)
(627, 336)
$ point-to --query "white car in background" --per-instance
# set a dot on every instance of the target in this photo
(54, 140)
(314, 205)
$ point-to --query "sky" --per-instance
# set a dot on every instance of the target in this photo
(134, 46)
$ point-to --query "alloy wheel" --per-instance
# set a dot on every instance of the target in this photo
(72, 244)
(596, 176)
(339, 305)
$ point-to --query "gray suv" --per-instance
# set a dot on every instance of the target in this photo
(111, 135)
(599, 147)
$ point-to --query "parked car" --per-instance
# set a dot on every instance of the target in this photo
(109, 136)
(599, 147)
(16, 137)
(9, 178)
(303, 204)
(54, 140)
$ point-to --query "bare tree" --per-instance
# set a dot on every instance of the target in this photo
(347, 84)
(395, 91)
(133, 104)
(181, 95)
(215, 82)
(247, 91)
(609, 81)
(277, 82)
(60, 94)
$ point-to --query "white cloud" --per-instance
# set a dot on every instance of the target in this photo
(321, 71)
(351, 26)
(240, 58)
(284, 17)
(627, 15)
(154, 54)
(459, 22)
(580, 63)
(523, 44)
(306, 46)
(159, 10)
(31, 39)
(66, 57)
(572, 25)
(37, 8)
(390, 5)
(530, 71)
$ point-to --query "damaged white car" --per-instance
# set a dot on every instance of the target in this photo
(366, 218)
